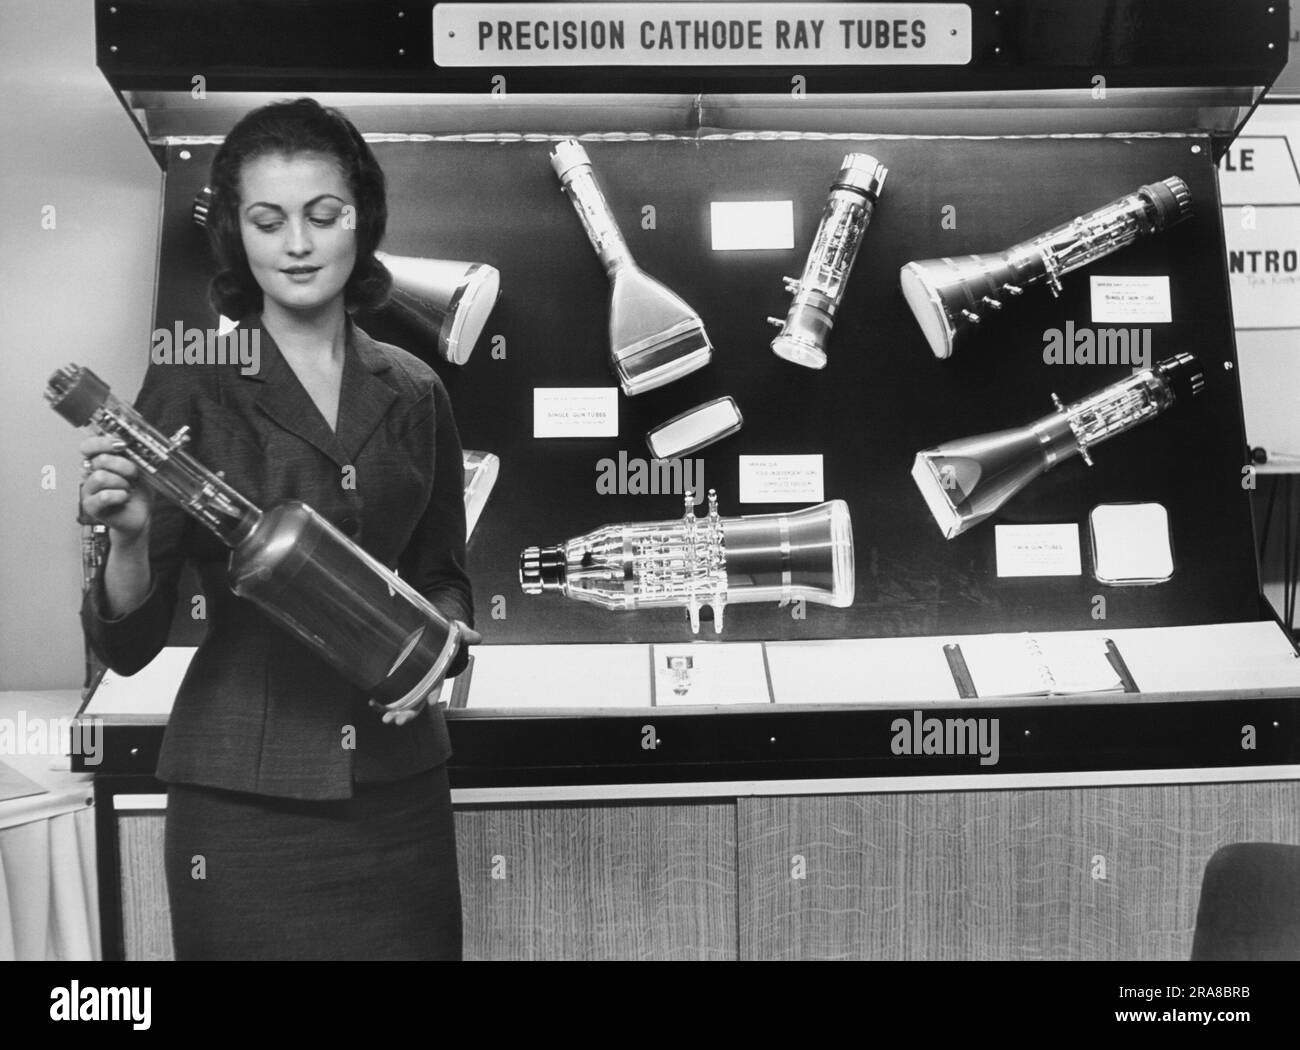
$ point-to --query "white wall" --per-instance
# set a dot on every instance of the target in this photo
(82, 292)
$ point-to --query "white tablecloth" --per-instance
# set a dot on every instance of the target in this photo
(49, 904)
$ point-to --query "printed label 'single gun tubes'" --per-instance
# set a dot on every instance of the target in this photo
(379, 632)
(693, 562)
(951, 296)
(654, 337)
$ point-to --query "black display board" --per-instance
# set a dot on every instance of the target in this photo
(882, 397)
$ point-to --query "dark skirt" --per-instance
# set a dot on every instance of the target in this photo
(370, 877)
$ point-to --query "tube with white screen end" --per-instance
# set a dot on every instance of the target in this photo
(819, 291)
(951, 297)
(655, 337)
(964, 482)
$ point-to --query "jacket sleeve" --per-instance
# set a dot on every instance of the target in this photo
(126, 643)
(434, 560)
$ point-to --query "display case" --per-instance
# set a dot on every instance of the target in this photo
(1102, 625)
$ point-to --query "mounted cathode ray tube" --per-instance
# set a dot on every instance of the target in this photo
(951, 296)
(654, 336)
(709, 561)
(817, 294)
(966, 481)
(375, 629)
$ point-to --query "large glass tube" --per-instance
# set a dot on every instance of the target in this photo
(1109, 228)
(352, 611)
(1123, 405)
(950, 296)
(817, 294)
(655, 337)
(964, 482)
(693, 562)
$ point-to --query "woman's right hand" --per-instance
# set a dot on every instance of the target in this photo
(112, 492)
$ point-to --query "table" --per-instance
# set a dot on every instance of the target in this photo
(49, 902)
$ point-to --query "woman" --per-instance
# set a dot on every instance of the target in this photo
(302, 821)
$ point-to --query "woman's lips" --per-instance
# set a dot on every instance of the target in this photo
(301, 276)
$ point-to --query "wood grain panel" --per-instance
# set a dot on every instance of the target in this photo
(146, 914)
(989, 875)
(580, 883)
(602, 882)
(993, 875)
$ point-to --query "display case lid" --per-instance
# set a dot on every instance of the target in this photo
(986, 66)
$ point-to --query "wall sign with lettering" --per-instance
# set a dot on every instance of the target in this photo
(700, 34)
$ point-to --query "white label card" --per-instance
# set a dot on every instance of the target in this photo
(751, 225)
(1130, 300)
(1038, 550)
(563, 411)
(781, 479)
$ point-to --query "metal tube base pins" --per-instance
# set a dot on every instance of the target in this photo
(693, 562)
(818, 293)
(357, 615)
(951, 297)
(963, 482)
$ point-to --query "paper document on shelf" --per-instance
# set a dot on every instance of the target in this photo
(1039, 665)
(14, 785)
(860, 671)
(150, 692)
(558, 676)
(692, 673)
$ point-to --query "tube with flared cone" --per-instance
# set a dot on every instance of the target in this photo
(446, 300)
(966, 481)
(654, 336)
(693, 562)
(374, 628)
(951, 296)
(817, 294)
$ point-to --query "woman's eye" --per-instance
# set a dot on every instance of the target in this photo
(267, 227)
(324, 221)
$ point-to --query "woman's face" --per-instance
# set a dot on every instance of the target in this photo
(299, 242)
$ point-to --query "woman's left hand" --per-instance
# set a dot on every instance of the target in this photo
(469, 636)
(400, 718)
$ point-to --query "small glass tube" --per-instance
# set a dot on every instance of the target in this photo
(819, 291)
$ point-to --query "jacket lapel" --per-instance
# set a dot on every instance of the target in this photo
(366, 397)
(285, 401)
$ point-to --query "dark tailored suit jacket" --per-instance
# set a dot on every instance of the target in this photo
(258, 711)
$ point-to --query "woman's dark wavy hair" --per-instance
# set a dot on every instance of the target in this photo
(300, 126)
